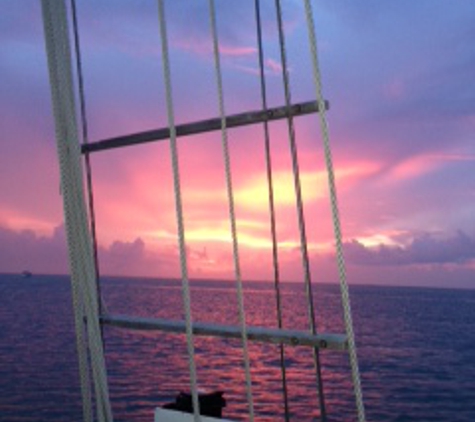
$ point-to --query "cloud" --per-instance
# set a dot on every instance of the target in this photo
(26, 250)
(424, 249)
(121, 257)
(273, 66)
(426, 260)
(414, 167)
(415, 96)
(137, 259)
(405, 110)
(205, 48)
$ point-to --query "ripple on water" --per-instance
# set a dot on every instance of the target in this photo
(414, 346)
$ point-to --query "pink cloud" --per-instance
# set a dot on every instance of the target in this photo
(413, 167)
(274, 67)
(228, 50)
(134, 193)
(203, 47)
(271, 67)
(420, 165)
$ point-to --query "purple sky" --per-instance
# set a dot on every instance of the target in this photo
(400, 80)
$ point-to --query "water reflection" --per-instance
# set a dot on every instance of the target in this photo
(163, 359)
(415, 350)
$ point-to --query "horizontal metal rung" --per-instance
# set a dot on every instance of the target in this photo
(261, 334)
(203, 126)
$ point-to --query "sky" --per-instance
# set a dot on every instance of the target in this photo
(399, 78)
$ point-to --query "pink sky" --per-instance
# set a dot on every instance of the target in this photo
(402, 119)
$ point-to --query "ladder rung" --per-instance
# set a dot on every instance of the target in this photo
(261, 334)
(203, 126)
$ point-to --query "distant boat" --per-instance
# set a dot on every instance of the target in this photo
(26, 274)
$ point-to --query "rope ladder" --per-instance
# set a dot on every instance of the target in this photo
(78, 202)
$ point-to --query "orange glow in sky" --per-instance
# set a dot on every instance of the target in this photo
(401, 133)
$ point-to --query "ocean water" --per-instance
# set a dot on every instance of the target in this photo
(416, 351)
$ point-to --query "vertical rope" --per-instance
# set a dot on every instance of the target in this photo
(79, 243)
(101, 404)
(300, 211)
(81, 344)
(275, 258)
(179, 211)
(85, 140)
(336, 216)
(232, 214)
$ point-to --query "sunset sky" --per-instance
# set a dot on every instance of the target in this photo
(400, 80)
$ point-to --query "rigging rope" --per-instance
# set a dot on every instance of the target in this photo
(179, 211)
(301, 217)
(232, 214)
(80, 248)
(101, 404)
(336, 216)
(275, 258)
(85, 139)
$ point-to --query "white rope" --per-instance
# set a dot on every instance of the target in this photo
(77, 229)
(89, 302)
(179, 211)
(335, 214)
(85, 139)
(232, 214)
(51, 38)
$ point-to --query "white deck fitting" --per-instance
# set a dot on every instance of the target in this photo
(166, 415)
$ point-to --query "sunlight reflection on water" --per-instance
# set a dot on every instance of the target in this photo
(220, 362)
(414, 344)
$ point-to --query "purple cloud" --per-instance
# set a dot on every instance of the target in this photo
(400, 85)
(26, 250)
(48, 255)
(424, 249)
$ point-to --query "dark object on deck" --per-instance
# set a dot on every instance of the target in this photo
(211, 404)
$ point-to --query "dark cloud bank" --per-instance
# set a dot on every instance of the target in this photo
(48, 255)
(427, 260)
(424, 249)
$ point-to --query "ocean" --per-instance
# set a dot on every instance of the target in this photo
(415, 345)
